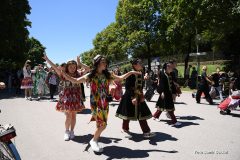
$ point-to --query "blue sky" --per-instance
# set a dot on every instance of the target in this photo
(67, 27)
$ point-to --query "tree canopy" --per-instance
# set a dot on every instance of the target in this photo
(15, 44)
(152, 28)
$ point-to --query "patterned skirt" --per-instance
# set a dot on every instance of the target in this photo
(27, 83)
(70, 100)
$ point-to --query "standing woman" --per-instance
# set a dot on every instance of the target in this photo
(40, 87)
(27, 82)
(99, 79)
(70, 100)
(165, 100)
(133, 105)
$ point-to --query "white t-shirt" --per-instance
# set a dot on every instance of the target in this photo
(26, 73)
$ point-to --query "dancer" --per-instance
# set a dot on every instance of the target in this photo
(99, 79)
(132, 105)
(165, 100)
(70, 100)
(176, 91)
(27, 82)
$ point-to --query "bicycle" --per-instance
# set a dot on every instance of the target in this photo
(8, 150)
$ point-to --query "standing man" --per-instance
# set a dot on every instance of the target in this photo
(204, 87)
(216, 85)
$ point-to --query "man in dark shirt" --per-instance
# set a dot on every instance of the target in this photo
(204, 87)
(216, 85)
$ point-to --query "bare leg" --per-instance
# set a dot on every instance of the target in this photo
(73, 120)
(68, 121)
(26, 93)
(98, 133)
(30, 92)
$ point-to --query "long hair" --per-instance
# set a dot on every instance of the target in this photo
(70, 63)
(96, 63)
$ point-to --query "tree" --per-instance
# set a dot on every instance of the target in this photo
(139, 21)
(109, 43)
(13, 31)
(35, 51)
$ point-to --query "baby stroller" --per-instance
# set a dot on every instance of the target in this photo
(230, 103)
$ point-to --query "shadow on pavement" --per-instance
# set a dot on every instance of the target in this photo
(231, 114)
(160, 137)
(180, 103)
(189, 118)
(85, 139)
(115, 152)
(184, 124)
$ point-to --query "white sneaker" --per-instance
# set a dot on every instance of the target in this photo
(71, 133)
(66, 136)
(149, 135)
(95, 147)
(156, 119)
(177, 124)
(26, 98)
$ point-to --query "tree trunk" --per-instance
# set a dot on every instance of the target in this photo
(187, 55)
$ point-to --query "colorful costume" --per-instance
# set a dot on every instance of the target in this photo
(39, 83)
(70, 99)
(98, 99)
(27, 81)
(126, 109)
(129, 111)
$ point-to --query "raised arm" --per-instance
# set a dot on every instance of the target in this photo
(54, 66)
(75, 80)
(82, 65)
(124, 76)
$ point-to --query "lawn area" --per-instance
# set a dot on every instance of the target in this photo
(211, 69)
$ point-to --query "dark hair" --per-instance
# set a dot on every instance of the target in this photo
(165, 65)
(135, 61)
(172, 61)
(70, 63)
(63, 64)
(93, 72)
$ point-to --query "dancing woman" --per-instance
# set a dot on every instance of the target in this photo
(165, 100)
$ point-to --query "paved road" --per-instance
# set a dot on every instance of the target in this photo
(205, 134)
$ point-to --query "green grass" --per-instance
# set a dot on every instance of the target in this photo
(187, 89)
(211, 69)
